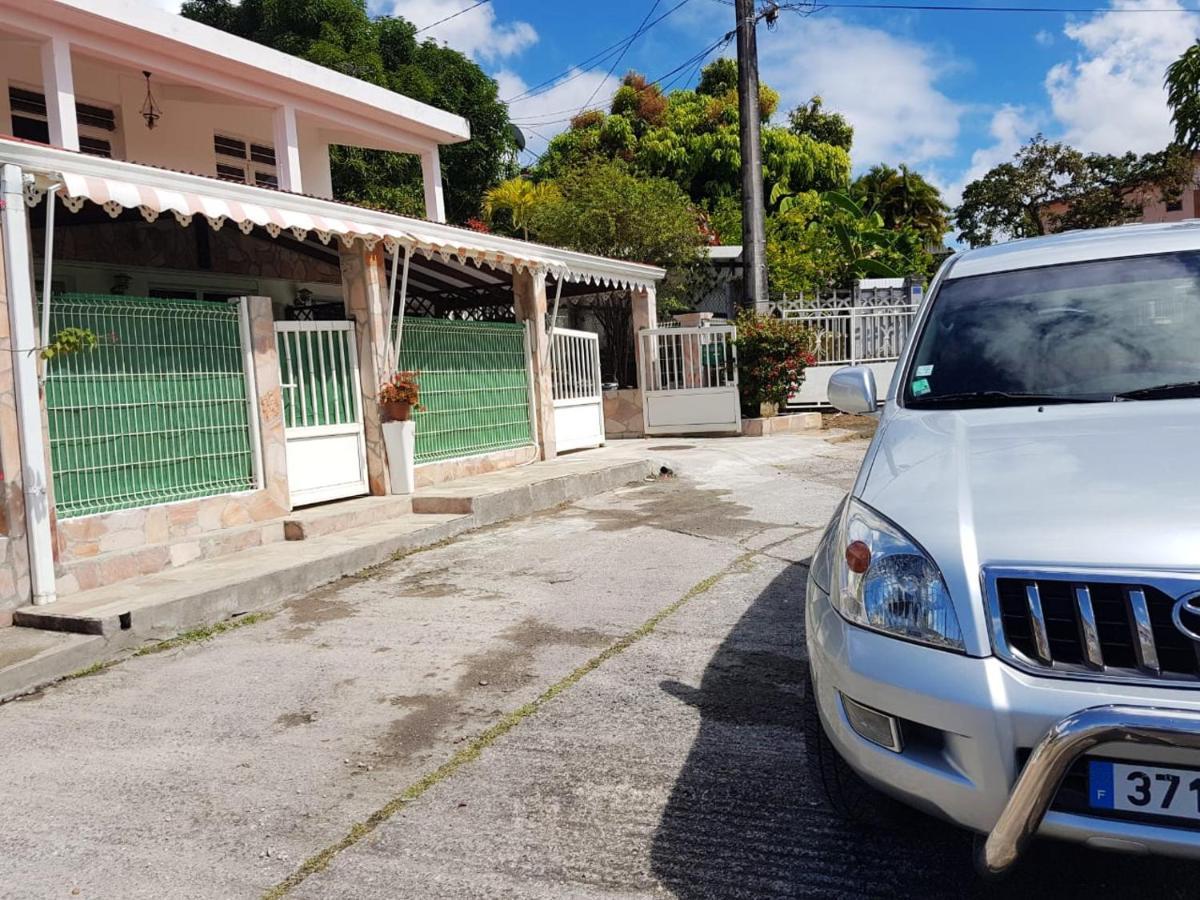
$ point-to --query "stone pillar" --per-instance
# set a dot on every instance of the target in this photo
(365, 291)
(529, 303)
(15, 587)
(644, 304)
(270, 401)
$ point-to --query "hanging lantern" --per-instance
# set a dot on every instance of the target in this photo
(151, 111)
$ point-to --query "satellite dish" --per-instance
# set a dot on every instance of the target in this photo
(518, 137)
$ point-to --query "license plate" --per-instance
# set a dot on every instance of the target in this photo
(1151, 790)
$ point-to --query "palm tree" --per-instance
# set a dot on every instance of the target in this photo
(518, 197)
(902, 197)
(1183, 97)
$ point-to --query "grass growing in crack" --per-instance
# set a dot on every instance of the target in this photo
(485, 739)
(198, 635)
(93, 669)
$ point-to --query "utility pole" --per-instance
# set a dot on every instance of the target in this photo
(754, 237)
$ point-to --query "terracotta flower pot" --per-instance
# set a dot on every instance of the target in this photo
(396, 411)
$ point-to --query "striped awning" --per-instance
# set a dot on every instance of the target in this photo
(119, 185)
(275, 217)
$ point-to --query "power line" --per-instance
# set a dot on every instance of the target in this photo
(452, 16)
(641, 29)
(690, 61)
(818, 6)
(597, 57)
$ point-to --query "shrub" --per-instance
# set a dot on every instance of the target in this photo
(772, 355)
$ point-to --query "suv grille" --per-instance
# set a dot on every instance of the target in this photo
(1092, 626)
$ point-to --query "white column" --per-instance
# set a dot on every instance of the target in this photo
(59, 86)
(35, 474)
(431, 171)
(287, 149)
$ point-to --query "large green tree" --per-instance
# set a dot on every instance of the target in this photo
(340, 35)
(691, 138)
(903, 198)
(1050, 187)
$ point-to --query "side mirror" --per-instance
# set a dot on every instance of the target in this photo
(852, 390)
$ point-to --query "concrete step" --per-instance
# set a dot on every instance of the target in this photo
(329, 518)
(210, 590)
(512, 492)
(121, 565)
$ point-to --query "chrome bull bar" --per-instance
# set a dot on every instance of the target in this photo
(1063, 744)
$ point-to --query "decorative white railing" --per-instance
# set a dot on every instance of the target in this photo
(852, 335)
(575, 365)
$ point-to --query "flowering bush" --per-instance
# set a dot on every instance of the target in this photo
(402, 387)
(772, 356)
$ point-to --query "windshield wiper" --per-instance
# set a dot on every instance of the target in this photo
(1162, 391)
(996, 398)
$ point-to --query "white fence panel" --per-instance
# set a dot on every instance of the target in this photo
(578, 401)
(689, 378)
(872, 336)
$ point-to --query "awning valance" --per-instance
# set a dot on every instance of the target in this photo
(117, 186)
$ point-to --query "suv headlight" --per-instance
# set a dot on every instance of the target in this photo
(886, 582)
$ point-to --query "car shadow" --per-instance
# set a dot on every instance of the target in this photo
(742, 822)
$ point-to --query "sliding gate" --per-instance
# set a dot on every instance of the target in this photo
(322, 411)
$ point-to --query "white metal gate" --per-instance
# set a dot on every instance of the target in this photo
(689, 378)
(578, 401)
(871, 336)
(322, 411)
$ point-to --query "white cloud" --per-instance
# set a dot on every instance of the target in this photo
(544, 115)
(1110, 98)
(1044, 38)
(885, 85)
(475, 33)
(1010, 127)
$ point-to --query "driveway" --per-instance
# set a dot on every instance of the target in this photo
(598, 701)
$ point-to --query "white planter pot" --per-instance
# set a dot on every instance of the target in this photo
(399, 442)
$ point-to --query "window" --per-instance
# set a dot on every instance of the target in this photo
(97, 124)
(1175, 205)
(1073, 331)
(245, 161)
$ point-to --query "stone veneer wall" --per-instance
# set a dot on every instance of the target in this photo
(623, 414)
(451, 469)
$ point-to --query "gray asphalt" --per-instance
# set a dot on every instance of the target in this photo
(674, 767)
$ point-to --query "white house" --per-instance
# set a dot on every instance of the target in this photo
(167, 191)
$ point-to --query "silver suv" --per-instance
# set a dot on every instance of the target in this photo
(1003, 618)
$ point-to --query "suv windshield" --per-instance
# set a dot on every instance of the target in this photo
(1074, 333)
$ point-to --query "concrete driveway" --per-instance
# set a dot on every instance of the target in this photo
(597, 701)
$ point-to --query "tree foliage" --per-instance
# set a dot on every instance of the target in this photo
(1051, 187)
(1183, 97)
(903, 198)
(519, 199)
(691, 137)
(608, 210)
(829, 240)
(340, 35)
(811, 120)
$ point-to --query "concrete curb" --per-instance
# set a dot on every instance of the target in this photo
(270, 575)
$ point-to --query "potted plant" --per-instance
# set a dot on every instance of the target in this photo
(399, 396)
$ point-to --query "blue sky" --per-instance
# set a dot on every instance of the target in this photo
(950, 93)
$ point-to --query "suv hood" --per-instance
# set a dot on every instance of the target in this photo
(1112, 485)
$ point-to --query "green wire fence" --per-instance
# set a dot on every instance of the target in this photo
(156, 413)
(474, 386)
